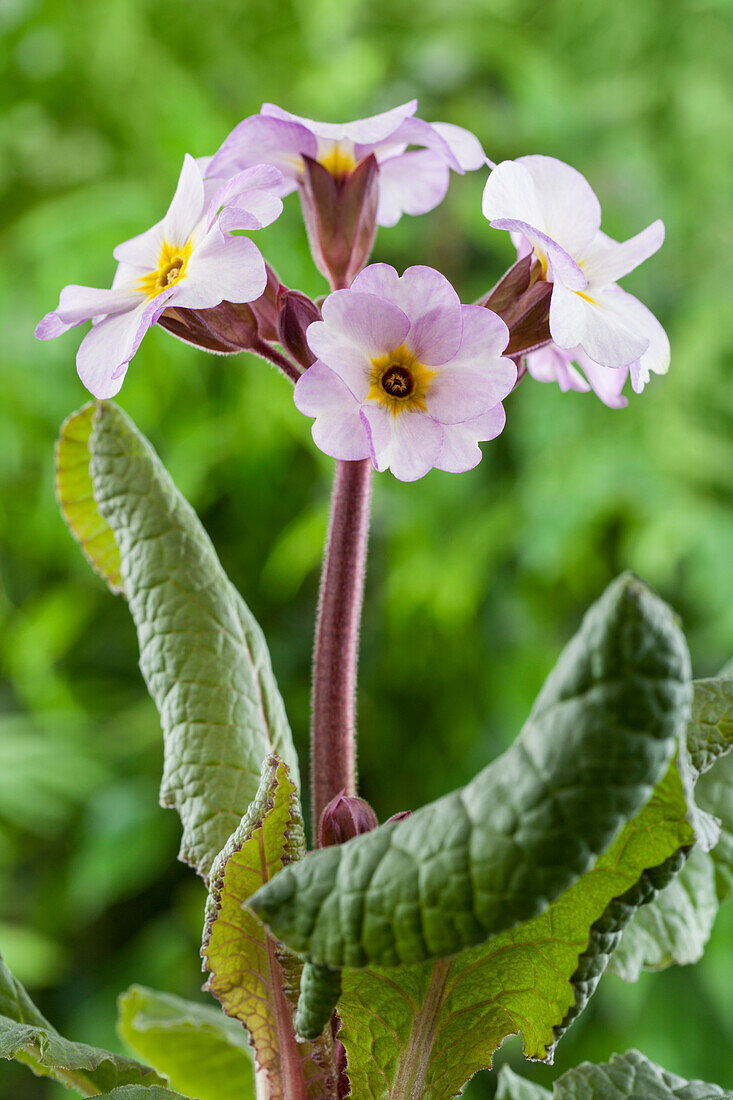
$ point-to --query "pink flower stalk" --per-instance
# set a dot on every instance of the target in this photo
(553, 364)
(552, 212)
(411, 181)
(189, 261)
(405, 374)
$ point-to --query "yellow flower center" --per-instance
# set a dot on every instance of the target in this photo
(170, 270)
(399, 382)
(338, 159)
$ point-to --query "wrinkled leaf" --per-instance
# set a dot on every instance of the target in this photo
(137, 1092)
(675, 927)
(28, 1037)
(75, 492)
(714, 793)
(600, 737)
(513, 1087)
(424, 1030)
(710, 733)
(253, 977)
(202, 654)
(200, 1050)
(630, 1076)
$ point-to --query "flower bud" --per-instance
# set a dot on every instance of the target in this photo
(399, 817)
(229, 327)
(297, 311)
(344, 817)
(341, 217)
(523, 302)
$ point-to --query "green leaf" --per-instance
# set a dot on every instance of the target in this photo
(202, 654)
(630, 1076)
(714, 793)
(513, 1087)
(710, 733)
(320, 989)
(424, 1030)
(28, 1037)
(75, 493)
(600, 737)
(202, 1052)
(254, 978)
(675, 927)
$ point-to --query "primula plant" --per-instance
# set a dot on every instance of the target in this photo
(387, 962)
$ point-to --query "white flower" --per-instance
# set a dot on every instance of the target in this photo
(552, 211)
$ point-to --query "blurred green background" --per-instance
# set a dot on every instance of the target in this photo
(474, 582)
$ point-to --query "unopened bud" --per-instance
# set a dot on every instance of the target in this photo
(344, 817)
(341, 217)
(231, 326)
(297, 311)
(522, 300)
(399, 817)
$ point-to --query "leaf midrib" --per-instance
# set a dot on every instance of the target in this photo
(410, 1080)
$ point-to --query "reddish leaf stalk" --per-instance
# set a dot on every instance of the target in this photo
(333, 722)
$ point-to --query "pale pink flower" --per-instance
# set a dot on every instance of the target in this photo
(552, 211)
(405, 374)
(411, 180)
(189, 260)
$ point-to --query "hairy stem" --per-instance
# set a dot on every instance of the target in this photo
(333, 724)
(282, 362)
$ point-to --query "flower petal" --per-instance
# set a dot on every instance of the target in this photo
(263, 140)
(142, 251)
(465, 146)
(460, 451)
(355, 329)
(602, 327)
(187, 206)
(254, 190)
(109, 346)
(606, 382)
(78, 304)
(221, 269)
(408, 444)
(510, 194)
(363, 131)
(414, 131)
(657, 356)
(410, 183)
(484, 333)
(570, 209)
(338, 430)
(607, 260)
(477, 378)
(430, 303)
(552, 364)
(562, 265)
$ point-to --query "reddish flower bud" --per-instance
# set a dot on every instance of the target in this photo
(522, 299)
(229, 327)
(297, 311)
(341, 217)
(399, 817)
(344, 817)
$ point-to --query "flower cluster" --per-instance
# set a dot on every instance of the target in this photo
(392, 369)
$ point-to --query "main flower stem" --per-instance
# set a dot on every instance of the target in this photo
(333, 723)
